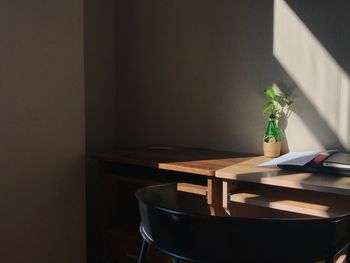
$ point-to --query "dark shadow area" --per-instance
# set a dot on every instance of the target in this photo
(203, 238)
(289, 91)
(188, 72)
(147, 157)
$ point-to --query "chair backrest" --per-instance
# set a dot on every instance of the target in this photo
(198, 237)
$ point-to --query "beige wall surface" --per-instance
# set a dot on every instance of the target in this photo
(311, 42)
(42, 131)
(193, 72)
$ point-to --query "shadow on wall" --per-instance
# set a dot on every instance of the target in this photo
(188, 69)
(324, 86)
(193, 72)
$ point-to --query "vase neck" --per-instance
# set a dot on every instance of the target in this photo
(272, 117)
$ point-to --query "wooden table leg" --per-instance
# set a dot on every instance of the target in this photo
(229, 187)
(214, 196)
(225, 197)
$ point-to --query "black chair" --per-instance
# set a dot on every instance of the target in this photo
(187, 233)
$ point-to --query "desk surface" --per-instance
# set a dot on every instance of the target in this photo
(181, 159)
(227, 165)
(247, 171)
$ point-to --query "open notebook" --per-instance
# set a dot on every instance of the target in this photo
(330, 162)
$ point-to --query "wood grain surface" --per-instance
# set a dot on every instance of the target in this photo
(181, 159)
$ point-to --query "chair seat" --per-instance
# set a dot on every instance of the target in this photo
(198, 237)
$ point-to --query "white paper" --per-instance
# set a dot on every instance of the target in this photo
(292, 158)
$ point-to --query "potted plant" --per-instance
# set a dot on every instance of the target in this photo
(276, 108)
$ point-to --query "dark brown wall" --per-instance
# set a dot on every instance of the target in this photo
(100, 74)
(100, 98)
(42, 131)
(189, 72)
(193, 72)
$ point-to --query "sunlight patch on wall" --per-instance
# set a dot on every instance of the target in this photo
(317, 74)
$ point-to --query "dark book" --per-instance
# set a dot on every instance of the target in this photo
(338, 160)
(337, 164)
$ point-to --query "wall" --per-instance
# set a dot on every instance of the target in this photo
(100, 110)
(193, 73)
(100, 77)
(310, 42)
(42, 131)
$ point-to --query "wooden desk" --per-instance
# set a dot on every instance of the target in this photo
(305, 193)
(190, 160)
(228, 178)
(202, 162)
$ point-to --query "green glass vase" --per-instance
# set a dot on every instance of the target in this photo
(272, 133)
(272, 139)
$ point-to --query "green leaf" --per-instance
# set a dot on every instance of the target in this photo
(289, 102)
(269, 108)
(278, 103)
(270, 93)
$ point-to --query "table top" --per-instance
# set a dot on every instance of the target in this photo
(189, 160)
(247, 171)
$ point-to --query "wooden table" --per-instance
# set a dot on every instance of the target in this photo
(197, 161)
(318, 194)
(322, 195)
(234, 178)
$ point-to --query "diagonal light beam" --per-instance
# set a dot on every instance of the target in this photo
(316, 72)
